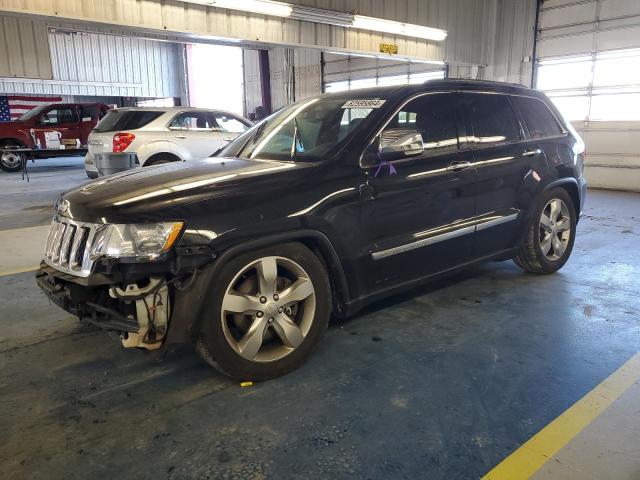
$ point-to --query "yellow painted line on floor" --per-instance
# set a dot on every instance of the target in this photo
(527, 459)
(18, 270)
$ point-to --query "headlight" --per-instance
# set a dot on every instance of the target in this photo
(140, 241)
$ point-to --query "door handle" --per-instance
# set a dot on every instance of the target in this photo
(181, 136)
(457, 166)
(531, 153)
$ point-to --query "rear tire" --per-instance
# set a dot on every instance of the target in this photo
(257, 328)
(550, 233)
(160, 161)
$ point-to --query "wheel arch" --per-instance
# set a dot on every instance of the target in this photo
(571, 186)
(187, 311)
(11, 141)
(150, 160)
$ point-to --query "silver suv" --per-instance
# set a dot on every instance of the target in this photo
(162, 135)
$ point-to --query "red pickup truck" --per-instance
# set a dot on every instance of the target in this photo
(49, 130)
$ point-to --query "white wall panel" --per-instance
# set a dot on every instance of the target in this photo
(92, 63)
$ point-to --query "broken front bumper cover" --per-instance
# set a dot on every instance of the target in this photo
(144, 326)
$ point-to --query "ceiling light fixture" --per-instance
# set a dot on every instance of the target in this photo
(398, 28)
(264, 7)
(327, 17)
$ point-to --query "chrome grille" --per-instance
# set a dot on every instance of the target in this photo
(68, 246)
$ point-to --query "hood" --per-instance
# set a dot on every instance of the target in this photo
(158, 192)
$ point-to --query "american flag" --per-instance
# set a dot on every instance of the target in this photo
(12, 106)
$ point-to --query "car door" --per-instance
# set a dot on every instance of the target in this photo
(58, 125)
(227, 127)
(415, 211)
(193, 133)
(503, 160)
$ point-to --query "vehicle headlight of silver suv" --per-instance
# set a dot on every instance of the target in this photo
(138, 241)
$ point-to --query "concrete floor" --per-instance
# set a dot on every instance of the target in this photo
(442, 383)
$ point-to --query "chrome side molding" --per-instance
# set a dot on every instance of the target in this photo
(491, 222)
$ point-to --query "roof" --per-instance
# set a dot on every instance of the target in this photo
(177, 109)
(429, 85)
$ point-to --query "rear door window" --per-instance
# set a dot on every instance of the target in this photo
(88, 112)
(119, 120)
(229, 124)
(434, 117)
(492, 119)
(191, 121)
(539, 120)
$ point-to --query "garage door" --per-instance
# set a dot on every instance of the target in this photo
(588, 62)
(348, 72)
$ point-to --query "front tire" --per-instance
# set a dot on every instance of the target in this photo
(267, 311)
(550, 233)
(11, 161)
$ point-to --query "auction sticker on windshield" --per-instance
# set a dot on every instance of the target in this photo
(374, 103)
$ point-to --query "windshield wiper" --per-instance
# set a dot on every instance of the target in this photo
(251, 140)
(296, 140)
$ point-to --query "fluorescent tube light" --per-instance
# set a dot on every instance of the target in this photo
(264, 7)
(327, 17)
(398, 28)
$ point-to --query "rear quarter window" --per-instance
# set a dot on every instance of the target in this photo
(539, 120)
(118, 120)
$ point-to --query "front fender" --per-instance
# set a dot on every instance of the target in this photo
(189, 303)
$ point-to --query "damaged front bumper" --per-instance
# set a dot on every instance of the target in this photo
(139, 311)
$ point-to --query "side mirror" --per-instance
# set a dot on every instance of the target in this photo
(398, 143)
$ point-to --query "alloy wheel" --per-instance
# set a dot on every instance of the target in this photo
(555, 229)
(268, 309)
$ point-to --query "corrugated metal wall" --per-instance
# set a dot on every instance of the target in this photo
(67, 61)
(252, 81)
(462, 18)
(308, 78)
(24, 50)
(114, 65)
(511, 59)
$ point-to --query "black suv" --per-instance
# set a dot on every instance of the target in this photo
(326, 205)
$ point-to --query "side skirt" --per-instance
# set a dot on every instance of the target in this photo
(356, 304)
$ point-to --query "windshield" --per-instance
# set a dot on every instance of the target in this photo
(34, 112)
(305, 131)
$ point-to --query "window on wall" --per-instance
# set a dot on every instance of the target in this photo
(380, 81)
(603, 86)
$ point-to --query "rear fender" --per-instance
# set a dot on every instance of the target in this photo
(149, 149)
